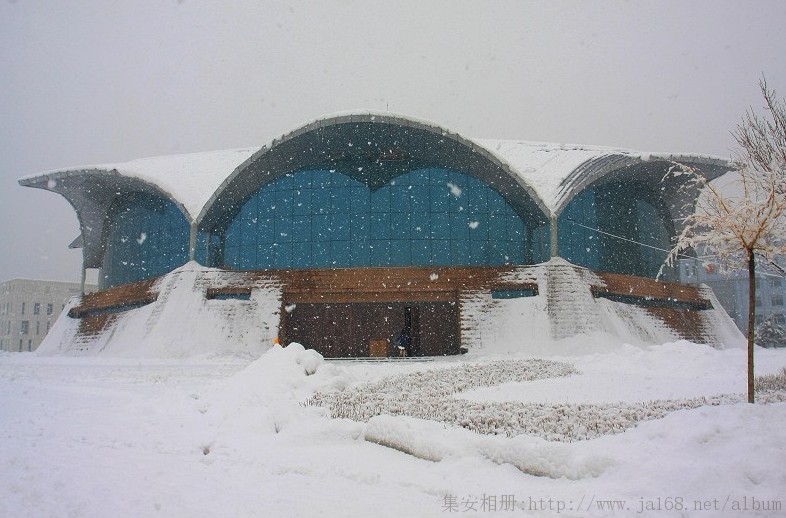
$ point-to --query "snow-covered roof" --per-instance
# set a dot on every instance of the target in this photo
(544, 166)
(552, 169)
(540, 177)
(188, 179)
(191, 179)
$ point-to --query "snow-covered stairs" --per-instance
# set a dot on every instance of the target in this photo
(168, 284)
(571, 307)
(476, 309)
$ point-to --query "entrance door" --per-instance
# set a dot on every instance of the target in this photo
(347, 329)
(412, 328)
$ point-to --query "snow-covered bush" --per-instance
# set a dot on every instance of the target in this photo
(772, 382)
(434, 395)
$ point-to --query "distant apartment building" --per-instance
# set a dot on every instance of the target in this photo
(731, 288)
(29, 308)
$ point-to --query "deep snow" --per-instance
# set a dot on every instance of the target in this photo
(96, 436)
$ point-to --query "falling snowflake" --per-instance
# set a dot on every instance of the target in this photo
(141, 239)
(455, 190)
(474, 224)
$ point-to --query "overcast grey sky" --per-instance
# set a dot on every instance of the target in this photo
(95, 81)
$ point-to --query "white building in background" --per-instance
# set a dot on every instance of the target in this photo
(29, 308)
(731, 289)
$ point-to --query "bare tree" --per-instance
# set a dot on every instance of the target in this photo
(743, 219)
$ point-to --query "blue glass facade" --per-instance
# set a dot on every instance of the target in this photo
(653, 232)
(615, 228)
(324, 219)
(147, 237)
(579, 241)
(428, 217)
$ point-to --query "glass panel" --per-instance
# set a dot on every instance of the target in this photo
(440, 250)
(400, 252)
(479, 228)
(379, 252)
(421, 252)
(380, 226)
(400, 225)
(320, 253)
(340, 253)
(340, 226)
(459, 227)
(459, 252)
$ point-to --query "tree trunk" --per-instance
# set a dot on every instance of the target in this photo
(751, 321)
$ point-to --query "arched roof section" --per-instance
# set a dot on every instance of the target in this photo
(649, 171)
(537, 179)
(374, 149)
(559, 172)
(186, 180)
(91, 193)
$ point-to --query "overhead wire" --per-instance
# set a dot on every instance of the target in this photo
(700, 258)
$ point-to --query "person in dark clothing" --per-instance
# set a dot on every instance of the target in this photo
(404, 342)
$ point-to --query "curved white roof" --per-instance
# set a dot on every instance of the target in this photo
(545, 166)
(191, 179)
(188, 179)
(550, 174)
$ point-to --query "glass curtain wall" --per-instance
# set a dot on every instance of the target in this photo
(147, 237)
(614, 227)
(324, 219)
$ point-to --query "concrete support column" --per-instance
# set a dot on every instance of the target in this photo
(84, 275)
(529, 244)
(554, 237)
(192, 240)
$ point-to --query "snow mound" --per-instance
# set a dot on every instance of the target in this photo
(265, 397)
(435, 442)
(279, 374)
(740, 447)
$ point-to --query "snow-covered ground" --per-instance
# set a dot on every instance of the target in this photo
(224, 436)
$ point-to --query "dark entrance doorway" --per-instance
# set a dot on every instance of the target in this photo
(338, 330)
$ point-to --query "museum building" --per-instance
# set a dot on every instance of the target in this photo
(356, 226)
